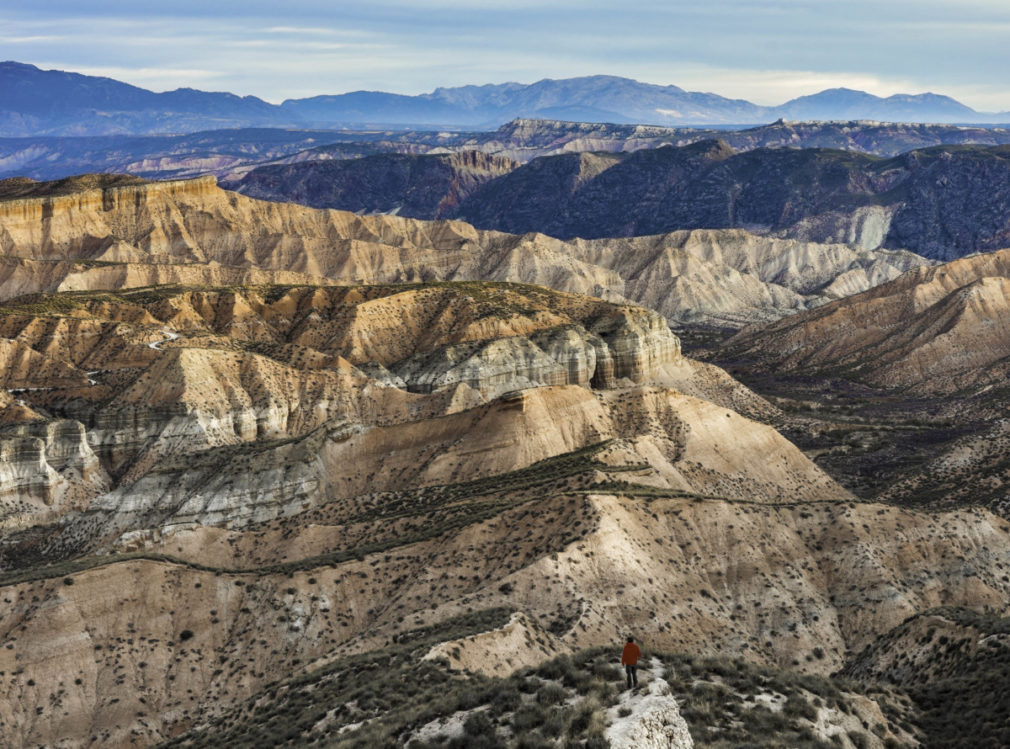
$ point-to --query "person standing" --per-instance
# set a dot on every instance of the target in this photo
(629, 659)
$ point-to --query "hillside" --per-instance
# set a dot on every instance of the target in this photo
(192, 232)
(942, 202)
(404, 185)
(256, 455)
(898, 391)
(572, 699)
(934, 330)
(949, 660)
(937, 202)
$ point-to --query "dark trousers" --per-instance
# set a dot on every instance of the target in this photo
(632, 675)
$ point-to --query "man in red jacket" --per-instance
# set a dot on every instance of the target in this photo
(629, 659)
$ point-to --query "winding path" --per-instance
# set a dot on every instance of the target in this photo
(157, 344)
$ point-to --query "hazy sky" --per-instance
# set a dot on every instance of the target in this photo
(766, 51)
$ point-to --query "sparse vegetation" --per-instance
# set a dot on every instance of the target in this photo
(563, 702)
(958, 680)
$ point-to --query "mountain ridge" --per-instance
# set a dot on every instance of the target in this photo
(54, 102)
(230, 153)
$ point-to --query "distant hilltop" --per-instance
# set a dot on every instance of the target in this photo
(36, 102)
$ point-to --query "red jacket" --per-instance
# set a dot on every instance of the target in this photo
(630, 654)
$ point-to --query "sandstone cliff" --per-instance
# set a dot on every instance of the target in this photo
(233, 406)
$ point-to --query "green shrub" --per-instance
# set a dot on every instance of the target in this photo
(478, 724)
(528, 717)
(504, 698)
(551, 694)
(797, 706)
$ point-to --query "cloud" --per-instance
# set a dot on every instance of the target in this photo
(771, 87)
(154, 78)
(297, 30)
(30, 39)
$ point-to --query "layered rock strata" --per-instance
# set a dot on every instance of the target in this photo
(191, 232)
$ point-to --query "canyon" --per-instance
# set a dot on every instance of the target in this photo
(254, 452)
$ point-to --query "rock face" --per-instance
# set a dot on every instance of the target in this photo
(936, 330)
(249, 410)
(628, 346)
(46, 465)
(27, 478)
(732, 277)
(193, 233)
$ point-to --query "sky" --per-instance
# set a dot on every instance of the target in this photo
(766, 51)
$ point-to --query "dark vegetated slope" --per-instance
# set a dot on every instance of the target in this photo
(537, 197)
(946, 201)
(955, 201)
(942, 202)
(704, 184)
(409, 185)
(566, 196)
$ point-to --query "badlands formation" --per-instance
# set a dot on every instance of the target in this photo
(274, 475)
(935, 330)
(96, 233)
(928, 349)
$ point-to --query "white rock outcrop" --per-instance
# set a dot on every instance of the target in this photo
(655, 721)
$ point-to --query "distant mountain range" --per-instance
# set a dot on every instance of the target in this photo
(50, 102)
